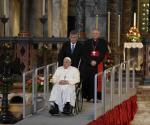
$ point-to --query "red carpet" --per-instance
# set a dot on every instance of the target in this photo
(122, 114)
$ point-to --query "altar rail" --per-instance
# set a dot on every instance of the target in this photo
(118, 83)
(53, 40)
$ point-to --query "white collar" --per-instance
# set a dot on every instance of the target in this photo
(73, 44)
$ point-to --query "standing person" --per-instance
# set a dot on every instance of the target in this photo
(71, 49)
(63, 94)
(94, 53)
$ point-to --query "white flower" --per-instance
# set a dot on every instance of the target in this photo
(42, 83)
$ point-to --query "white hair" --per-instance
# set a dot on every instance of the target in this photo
(67, 58)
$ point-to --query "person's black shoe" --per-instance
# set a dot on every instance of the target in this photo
(54, 110)
(88, 99)
(67, 109)
(99, 95)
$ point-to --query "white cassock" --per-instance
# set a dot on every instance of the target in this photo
(61, 94)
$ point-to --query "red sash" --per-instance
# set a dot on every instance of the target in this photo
(96, 53)
(100, 69)
(99, 84)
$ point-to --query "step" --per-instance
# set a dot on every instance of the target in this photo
(143, 90)
(143, 97)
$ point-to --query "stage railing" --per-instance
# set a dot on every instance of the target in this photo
(44, 72)
(118, 84)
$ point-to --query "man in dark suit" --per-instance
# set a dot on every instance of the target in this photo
(94, 53)
(71, 49)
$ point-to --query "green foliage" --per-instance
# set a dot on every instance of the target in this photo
(6, 83)
(40, 85)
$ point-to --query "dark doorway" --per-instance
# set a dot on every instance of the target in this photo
(71, 23)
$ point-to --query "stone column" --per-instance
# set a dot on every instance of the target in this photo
(14, 17)
(24, 16)
(56, 18)
(49, 29)
(80, 18)
(1, 13)
(50, 15)
(7, 15)
(146, 61)
(36, 28)
(36, 13)
(64, 18)
(112, 7)
(126, 19)
(56, 24)
(23, 49)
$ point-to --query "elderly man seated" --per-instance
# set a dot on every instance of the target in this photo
(62, 98)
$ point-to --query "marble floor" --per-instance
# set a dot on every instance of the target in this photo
(143, 115)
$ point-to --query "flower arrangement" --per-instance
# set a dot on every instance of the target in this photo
(134, 34)
(40, 83)
(108, 62)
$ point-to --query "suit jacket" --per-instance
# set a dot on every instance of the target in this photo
(66, 52)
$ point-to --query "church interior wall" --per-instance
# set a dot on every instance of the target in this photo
(57, 13)
(91, 17)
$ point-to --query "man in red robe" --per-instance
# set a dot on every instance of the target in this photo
(94, 52)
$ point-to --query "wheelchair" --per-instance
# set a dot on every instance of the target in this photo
(79, 100)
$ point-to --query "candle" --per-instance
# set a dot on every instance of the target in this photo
(118, 38)
(96, 22)
(4, 7)
(108, 30)
(134, 20)
(43, 11)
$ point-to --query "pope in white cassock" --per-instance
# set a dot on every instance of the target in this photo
(63, 96)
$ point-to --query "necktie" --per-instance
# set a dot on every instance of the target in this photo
(72, 48)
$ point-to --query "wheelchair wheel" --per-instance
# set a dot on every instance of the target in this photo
(79, 101)
(74, 110)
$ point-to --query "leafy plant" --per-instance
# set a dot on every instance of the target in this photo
(40, 84)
